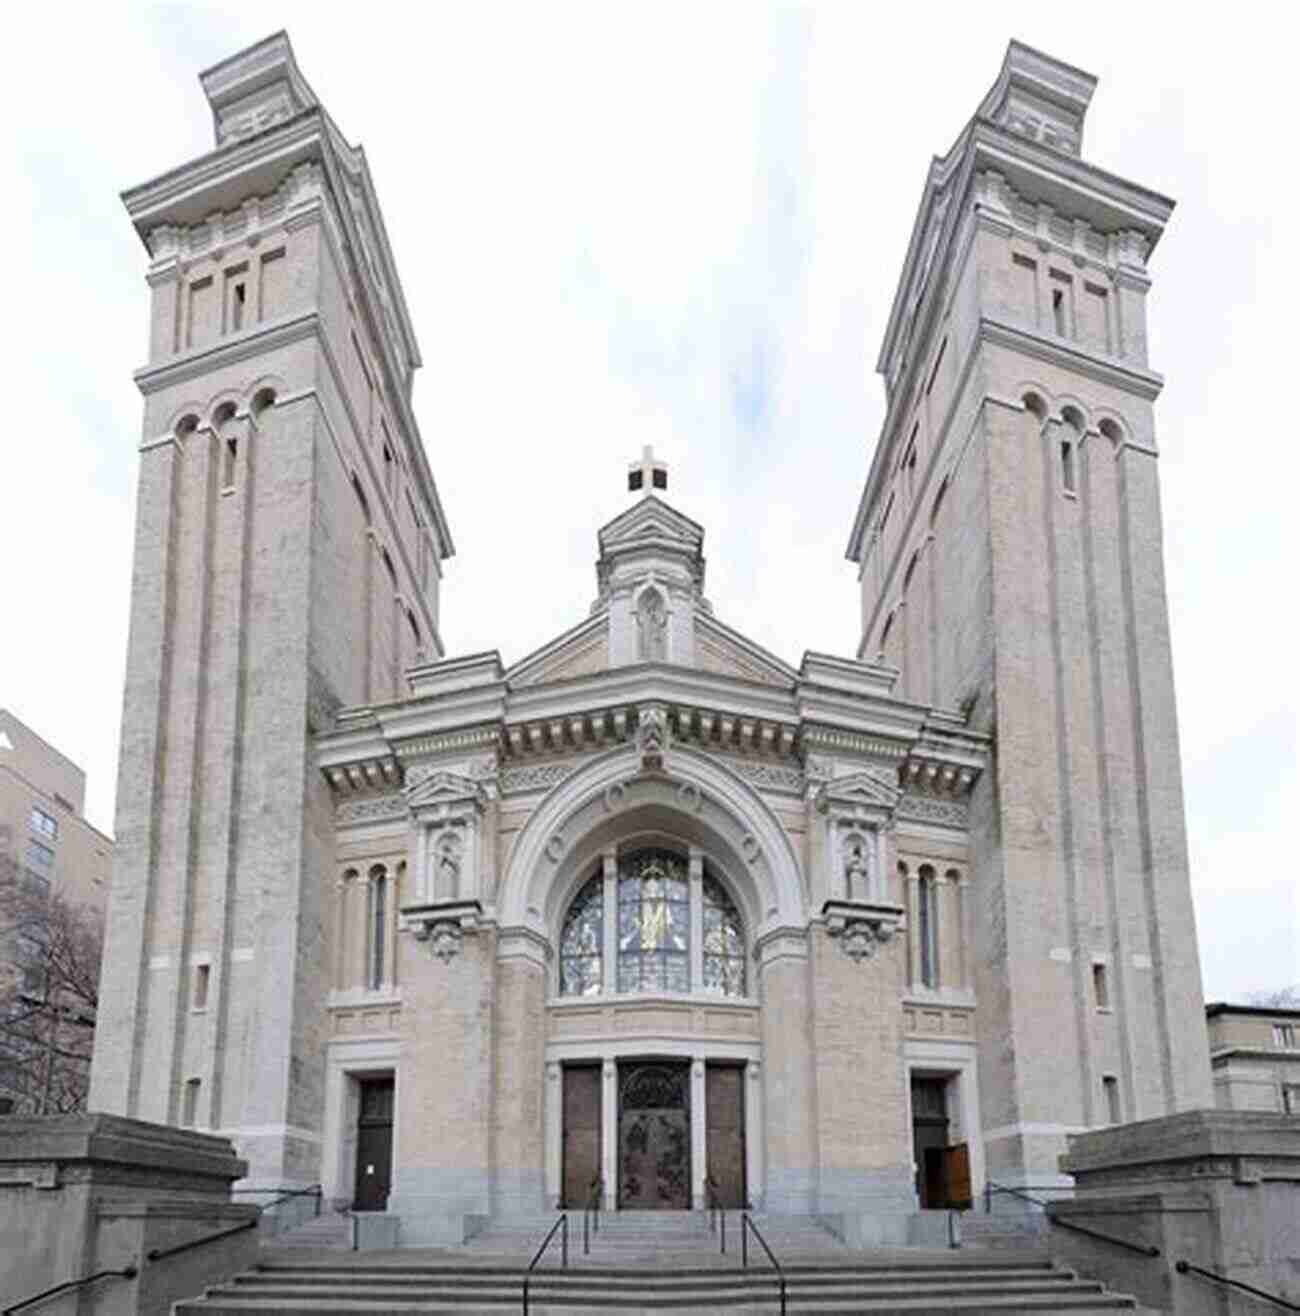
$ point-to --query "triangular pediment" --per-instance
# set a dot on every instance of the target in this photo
(719, 648)
(866, 788)
(442, 788)
(581, 651)
(651, 521)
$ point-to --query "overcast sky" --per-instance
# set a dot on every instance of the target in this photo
(680, 225)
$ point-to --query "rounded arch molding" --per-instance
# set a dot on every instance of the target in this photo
(610, 799)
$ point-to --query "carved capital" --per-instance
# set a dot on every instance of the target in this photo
(652, 736)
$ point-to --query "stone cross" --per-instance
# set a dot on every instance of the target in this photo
(647, 474)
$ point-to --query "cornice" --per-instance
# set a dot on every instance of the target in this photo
(231, 350)
(1113, 372)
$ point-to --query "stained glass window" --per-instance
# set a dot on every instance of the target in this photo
(724, 941)
(582, 942)
(654, 920)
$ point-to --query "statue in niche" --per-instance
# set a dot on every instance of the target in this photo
(857, 867)
(652, 627)
(446, 870)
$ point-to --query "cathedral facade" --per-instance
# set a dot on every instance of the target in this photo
(649, 916)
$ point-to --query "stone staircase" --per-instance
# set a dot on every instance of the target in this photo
(642, 1262)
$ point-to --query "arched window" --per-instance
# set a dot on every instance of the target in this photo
(582, 942)
(724, 942)
(928, 927)
(654, 921)
(650, 904)
(652, 627)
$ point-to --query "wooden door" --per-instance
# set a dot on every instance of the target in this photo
(374, 1145)
(654, 1136)
(929, 1139)
(724, 1104)
(956, 1175)
(581, 1133)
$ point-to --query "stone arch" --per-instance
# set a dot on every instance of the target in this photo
(610, 801)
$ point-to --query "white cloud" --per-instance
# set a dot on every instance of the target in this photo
(612, 222)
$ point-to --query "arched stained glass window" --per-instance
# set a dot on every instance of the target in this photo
(724, 941)
(654, 920)
(582, 942)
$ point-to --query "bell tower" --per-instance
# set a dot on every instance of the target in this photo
(287, 557)
(1009, 547)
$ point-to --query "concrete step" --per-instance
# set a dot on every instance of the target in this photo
(370, 1284)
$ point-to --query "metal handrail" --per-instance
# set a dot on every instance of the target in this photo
(746, 1225)
(562, 1224)
(716, 1211)
(1183, 1267)
(990, 1188)
(161, 1253)
(1142, 1249)
(592, 1212)
(127, 1272)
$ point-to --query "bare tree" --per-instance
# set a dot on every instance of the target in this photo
(50, 953)
(1281, 998)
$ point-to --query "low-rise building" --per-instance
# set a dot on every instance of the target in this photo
(1255, 1057)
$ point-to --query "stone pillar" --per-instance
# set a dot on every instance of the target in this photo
(442, 1144)
(699, 1130)
(754, 1183)
(519, 1041)
(863, 1142)
(609, 961)
(697, 919)
(788, 1092)
(554, 1133)
(609, 1130)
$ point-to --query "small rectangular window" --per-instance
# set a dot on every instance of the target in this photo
(229, 457)
(1284, 1035)
(44, 824)
(659, 479)
(202, 976)
(1110, 1085)
(1290, 1099)
(1100, 987)
(190, 1112)
(635, 479)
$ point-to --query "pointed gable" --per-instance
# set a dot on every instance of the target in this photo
(581, 651)
(720, 649)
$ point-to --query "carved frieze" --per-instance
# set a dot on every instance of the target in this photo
(534, 776)
(377, 808)
(927, 809)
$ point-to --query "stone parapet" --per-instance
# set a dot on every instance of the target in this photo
(1214, 1188)
(81, 1194)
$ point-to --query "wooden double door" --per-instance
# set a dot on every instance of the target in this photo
(653, 1147)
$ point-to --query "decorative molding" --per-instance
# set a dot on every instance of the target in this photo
(652, 736)
(443, 925)
(484, 737)
(926, 809)
(862, 927)
(769, 776)
(851, 742)
(376, 809)
(534, 776)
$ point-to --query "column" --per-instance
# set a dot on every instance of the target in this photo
(609, 952)
(344, 884)
(392, 902)
(697, 918)
(609, 1131)
(755, 1188)
(913, 898)
(963, 966)
(554, 1132)
(699, 1150)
